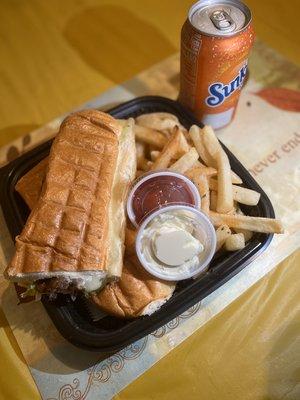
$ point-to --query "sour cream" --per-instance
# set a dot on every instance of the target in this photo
(176, 243)
(168, 241)
(175, 247)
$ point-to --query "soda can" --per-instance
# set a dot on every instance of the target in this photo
(215, 43)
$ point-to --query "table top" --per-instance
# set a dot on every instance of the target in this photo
(51, 67)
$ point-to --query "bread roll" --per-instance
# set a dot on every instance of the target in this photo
(30, 185)
(67, 233)
(137, 293)
(125, 175)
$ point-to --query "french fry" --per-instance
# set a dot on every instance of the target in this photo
(183, 147)
(247, 234)
(200, 164)
(235, 179)
(187, 136)
(245, 196)
(130, 238)
(140, 154)
(142, 164)
(211, 142)
(174, 149)
(200, 170)
(139, 172)
(201, 183)
(254, 224)
(146, 165)
(140, 149)
(160, 121)
(213, 200)
(196, 137)
(240, 194)
(222, 233)
(185, 162)
(149, 165)
(150, 136)
(235, 242)
(154, 154)
(225, 195)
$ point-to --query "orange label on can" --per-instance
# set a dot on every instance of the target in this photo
(219, 92)
(212, 73)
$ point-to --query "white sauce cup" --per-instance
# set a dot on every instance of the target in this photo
(204, 232)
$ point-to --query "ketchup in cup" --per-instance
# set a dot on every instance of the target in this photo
(160, 189)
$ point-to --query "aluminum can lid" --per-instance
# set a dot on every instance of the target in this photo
(220, 18)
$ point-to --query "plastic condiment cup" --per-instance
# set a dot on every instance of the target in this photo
(204, 232)
(187, 189)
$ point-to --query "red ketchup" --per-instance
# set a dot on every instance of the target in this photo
(157, 190)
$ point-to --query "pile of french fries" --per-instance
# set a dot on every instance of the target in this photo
(163, 143)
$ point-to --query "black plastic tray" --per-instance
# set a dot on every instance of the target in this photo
(111, 334)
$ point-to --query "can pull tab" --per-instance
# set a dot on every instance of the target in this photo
(222, 20)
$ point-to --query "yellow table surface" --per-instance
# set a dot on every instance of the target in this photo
(57, 54)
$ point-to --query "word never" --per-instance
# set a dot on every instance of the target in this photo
(273, 157)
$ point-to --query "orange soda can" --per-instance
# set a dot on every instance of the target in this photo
(215, 43)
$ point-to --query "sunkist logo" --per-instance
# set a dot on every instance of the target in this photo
(219, 91)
